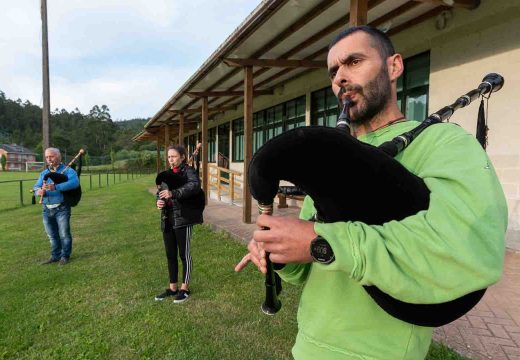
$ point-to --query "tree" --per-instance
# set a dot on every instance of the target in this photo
(102, 113)
(3, 161)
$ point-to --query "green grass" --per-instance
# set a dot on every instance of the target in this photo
(101, 304)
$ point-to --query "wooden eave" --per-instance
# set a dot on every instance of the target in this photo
(282, 40)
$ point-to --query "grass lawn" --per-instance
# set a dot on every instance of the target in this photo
(101, 304)
(10, 185)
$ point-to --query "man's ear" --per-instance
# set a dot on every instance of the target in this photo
(395, 66)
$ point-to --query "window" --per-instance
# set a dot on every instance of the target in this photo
(413, 87)
(238, 140)
(275, 120)
(295, 113)
(324, 107)
(212, 145)
(223, 139)
(258, 130)
(268, 123)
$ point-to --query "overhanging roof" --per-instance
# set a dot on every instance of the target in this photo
(293, 30)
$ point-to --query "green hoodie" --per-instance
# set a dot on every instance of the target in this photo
(454, 247)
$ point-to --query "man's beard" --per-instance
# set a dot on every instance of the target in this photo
(376, 94)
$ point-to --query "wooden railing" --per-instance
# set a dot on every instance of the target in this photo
(232, 185)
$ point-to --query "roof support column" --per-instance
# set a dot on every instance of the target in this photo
(158, 158)
(166, 143)
(248, 141)
(181, 128)
(204, 150)
(358, 12)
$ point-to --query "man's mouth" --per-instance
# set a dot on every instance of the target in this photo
(349, 92)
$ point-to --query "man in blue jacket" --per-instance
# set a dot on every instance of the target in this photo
(56, 213)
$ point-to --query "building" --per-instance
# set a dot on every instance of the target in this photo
(269, 76)
(16, 156)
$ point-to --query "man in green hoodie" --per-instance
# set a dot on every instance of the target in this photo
(454, 247)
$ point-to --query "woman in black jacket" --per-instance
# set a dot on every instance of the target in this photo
(181, 201)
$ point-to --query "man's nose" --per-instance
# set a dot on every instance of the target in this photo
(341, 78)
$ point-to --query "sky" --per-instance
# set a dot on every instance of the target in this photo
(131, 55)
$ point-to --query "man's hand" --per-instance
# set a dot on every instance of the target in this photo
(40, 192)
(49, 187)
(160, 204)
(287, 240)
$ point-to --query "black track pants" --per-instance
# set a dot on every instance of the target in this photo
(178, 239)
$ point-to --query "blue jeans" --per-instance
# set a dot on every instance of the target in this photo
(57, 225)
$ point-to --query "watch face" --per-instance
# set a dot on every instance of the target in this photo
(321, 251)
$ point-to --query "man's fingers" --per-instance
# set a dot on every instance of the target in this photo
(259, 262)
(243, 263)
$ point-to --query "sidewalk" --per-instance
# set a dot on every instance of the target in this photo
(490, 331)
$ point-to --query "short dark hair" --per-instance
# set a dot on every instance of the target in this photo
(180, 149)
(380, 40)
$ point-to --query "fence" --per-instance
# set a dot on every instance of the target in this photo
(225, 181)
(16, 193)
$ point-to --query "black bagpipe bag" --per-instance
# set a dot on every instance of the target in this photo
(349, 180)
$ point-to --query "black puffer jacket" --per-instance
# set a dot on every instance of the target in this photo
(188, 200)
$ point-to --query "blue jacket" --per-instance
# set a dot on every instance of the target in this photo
(56, 197)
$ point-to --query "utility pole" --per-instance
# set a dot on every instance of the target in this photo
(46, 111)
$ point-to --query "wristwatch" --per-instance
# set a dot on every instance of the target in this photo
(321, 251)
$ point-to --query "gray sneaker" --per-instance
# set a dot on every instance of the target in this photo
(182, 296)
(165, 294)
(64, 261)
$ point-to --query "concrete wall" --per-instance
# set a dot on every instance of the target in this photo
(472, 44)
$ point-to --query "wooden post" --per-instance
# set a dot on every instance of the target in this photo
(203, 152)
(248, 141)
(232, 187)
(46, 111)
(158, 155)
(181, 129)
(218, 183)
(358, 12)
(166, 143)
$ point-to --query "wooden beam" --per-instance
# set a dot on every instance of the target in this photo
(198, 110)
(204, 150)
(394, 13)
(248, 142)
(358, 12)
(205, 94)
(338, 24)
(289, 31)
(269, 63)
(427, 15)
(464, 4)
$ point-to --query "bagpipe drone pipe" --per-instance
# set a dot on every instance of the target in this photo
(73, 196)
(290, 156)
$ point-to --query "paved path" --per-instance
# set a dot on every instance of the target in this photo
(490, 331)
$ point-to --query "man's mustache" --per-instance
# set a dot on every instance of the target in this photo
(356, 88)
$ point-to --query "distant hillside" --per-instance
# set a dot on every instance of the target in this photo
(20, 123)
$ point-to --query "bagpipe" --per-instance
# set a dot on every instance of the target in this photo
(287, 157)
(192, 207)
(70, 197)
